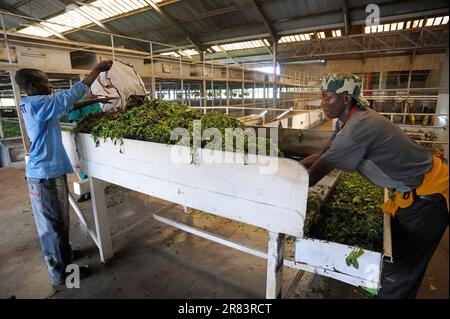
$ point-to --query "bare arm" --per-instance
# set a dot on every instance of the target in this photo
(318, 171)
(317, 168)
(80, 104)
(100, 67)
(308, 161)
(311, 159)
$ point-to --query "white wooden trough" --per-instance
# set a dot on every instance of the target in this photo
(244, 192)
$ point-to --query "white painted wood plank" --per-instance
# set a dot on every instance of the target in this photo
(101, 219)
(387, 235)
(331, 259)
(276, 202)
(235, 179)
(275, 258)
(210, 236)
(82, 219)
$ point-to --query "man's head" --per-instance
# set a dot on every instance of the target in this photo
(33, 81)
(339, 91)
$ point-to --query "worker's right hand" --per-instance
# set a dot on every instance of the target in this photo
(104, 65)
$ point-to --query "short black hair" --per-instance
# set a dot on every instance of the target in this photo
(25, 76)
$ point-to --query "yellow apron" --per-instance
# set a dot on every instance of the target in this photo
(434, 182)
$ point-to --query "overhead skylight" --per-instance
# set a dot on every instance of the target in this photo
(189, 52)
(296, 37)
(412, 24)
(336, 33)
(171, 53)
(241, 45)
(321, 35)
(79, 16)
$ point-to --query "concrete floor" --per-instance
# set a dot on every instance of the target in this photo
(153, 260)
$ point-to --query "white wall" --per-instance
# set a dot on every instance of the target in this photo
(300, 121)
(396, 63)
(307, 119)
(43, 58)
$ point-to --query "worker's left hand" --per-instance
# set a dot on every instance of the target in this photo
(106, 99)
(104, 65)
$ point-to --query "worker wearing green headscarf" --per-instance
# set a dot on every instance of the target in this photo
(367, 142)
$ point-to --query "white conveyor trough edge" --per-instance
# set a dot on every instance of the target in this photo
(238, 191)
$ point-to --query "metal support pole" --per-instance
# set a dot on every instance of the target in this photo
(212, 82)
(16, 92)
(227, 88)
(203, 90)
(112, 47)
(253, 93)
(189, 94)
(182, 82)
(274, 50)
(5, 37)
(154, 96)
(406, 109)
(200, 95)
(205, 100)
(264, 93)
(242, 91)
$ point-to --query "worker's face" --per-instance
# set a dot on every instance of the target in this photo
(334, 104)
(41, 86)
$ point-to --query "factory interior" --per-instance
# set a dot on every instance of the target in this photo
(155, 220)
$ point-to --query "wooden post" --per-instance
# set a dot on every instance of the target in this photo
(101, 219)
(275, 257)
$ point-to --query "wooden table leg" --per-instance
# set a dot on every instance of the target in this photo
(101, 219)
(275, 257)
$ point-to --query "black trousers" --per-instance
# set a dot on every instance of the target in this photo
(416, 233)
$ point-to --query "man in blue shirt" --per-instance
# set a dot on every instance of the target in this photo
(48, 163)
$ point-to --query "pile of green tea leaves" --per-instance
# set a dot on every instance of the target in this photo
(154, 120)
(352, 215)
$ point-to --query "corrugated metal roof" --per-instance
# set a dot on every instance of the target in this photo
(219, 21)
(35, 8)
(288, 9)
(188, 9)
